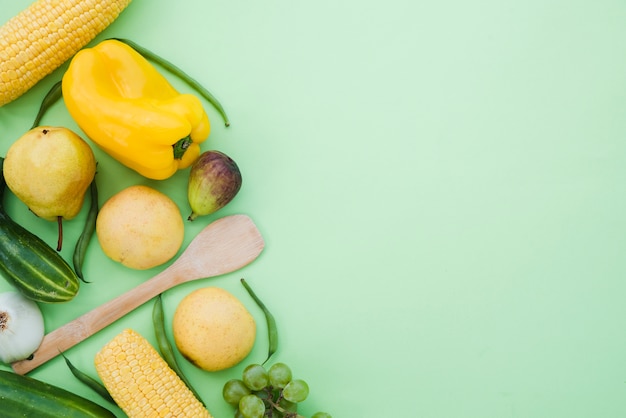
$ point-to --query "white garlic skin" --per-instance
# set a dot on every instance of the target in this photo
(21, 327)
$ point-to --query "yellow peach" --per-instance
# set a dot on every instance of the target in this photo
(140, 227)
(213, 329)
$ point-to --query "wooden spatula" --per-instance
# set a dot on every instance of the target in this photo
(221, 247)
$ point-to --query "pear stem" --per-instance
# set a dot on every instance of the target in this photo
(60, 239)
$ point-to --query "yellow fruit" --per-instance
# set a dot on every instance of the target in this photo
(140, 227)
(213, 329)
(49, 169)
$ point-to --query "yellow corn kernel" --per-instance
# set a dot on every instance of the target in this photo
(141, 382)
(46, 34)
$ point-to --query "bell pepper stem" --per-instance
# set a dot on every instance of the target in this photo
(146, 53)
(181, 146)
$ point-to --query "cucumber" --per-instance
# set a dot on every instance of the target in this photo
(23, 396)
(30, 264)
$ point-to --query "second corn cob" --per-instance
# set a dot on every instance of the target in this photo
(141, 382)
(45, 35)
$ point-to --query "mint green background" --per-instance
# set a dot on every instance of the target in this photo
(441, 190)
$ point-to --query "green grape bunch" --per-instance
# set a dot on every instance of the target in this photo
(272, 393)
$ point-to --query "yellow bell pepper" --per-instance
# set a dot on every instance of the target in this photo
(125, 106)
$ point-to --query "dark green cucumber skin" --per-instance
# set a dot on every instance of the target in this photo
(23, 396)
(36, 269)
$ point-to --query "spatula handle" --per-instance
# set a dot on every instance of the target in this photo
(70, 334)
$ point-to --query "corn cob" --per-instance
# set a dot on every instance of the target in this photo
(46, 34)
(141, 382)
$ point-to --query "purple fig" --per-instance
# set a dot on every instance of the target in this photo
(214, 180)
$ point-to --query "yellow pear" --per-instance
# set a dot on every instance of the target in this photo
(50, 169)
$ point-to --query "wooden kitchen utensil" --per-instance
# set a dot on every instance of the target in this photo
(221, 247)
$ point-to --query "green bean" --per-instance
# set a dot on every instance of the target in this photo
(146, 53)
(89, 381)
(167, 352)
(54, 94)
(272, 331)
(88, 230)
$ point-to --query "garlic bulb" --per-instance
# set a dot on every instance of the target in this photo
(21, 327)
